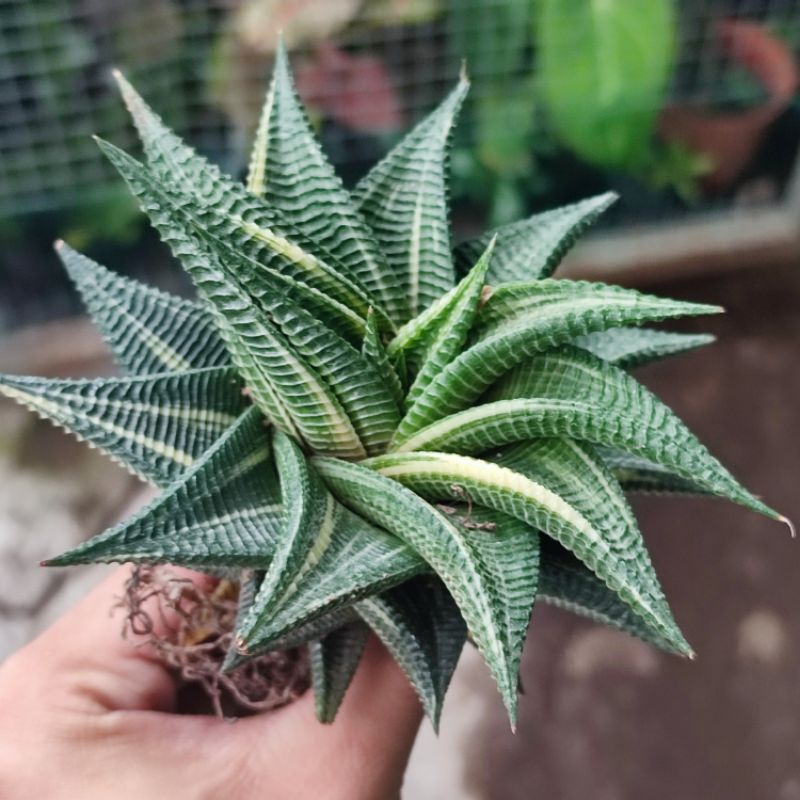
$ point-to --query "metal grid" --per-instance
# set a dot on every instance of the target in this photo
(204, 64)
(190, 59)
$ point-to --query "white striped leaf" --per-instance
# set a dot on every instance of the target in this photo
(147, 330)
(265, 241)
(632, 347)
(557, 306)
(223, 512)
(637, 474)
(575, 472)
(439, 476)
(334, 660)
(181, 227)
(567, 584)
(309, 514)
(532, 248)
(283, 383)
(570, 393)
(411, 339)
(268, 287)
(491, 575)
(375, 353)
(520, 320)
(359, 386)
(304, 634)
(421, 626)
(348, 560)
(454, 325)
(256, 240)
(404, 201)
(251, 224)
(156, 426)
(290, 171)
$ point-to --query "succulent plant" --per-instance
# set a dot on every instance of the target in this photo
(367, 428)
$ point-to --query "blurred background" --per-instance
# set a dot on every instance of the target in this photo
(688, 108)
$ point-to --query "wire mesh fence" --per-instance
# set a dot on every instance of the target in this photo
(549, 100)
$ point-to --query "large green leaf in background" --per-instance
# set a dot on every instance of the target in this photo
(603, 68)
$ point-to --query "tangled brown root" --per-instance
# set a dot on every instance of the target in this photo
(194, 631)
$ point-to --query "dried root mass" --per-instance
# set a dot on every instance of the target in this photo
(191, 628)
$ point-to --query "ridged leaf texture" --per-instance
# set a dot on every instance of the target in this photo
(147, 330)
(370, 430)
(136, 420)
(289, 170)
(533, 248)
(403, 199)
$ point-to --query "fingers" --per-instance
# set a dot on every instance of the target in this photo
(362, 754)
(84, 658)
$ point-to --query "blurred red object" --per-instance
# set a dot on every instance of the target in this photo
(731, 138)
(356, 91)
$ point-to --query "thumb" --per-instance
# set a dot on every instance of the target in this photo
(362, 754)
(85, 657)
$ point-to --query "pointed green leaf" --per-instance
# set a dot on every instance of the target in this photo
(532, 248)
(308, 520)
(490, 574)
(223, 512)
(566, 583)
(181, 227)
(570, 393)
(357, 384)
(632, 347)
(171, 158)
(404, 201)
(334, 660)
(421, 626)
(454, 326)
(290, 171)
(304, 634)
(255, 237)
(438, 476)
(232, 211)
(637, 474)
(415, 336)
(155, 426)
(559, 308)
(576, 473)
(348, 560)
(520, 320)
(147, 330)
(283, 383)
(375, 353)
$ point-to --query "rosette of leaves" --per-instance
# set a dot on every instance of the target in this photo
(371, 429)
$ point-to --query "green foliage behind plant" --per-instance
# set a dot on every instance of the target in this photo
(603, 69)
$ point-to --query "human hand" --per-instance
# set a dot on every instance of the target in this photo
(85, 715)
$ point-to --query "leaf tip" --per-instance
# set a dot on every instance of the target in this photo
(56, 561)
(789, 524)
(607, 199)
(233, 659)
